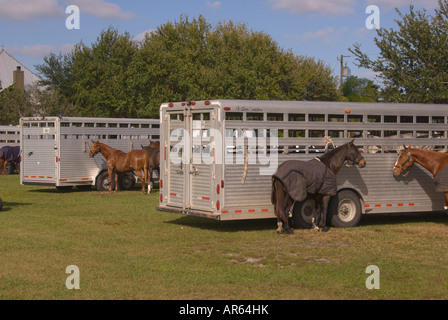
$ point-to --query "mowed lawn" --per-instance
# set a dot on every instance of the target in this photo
(126, 249)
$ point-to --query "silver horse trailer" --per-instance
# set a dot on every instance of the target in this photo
(55, 151)
(9, 136)
(217, 157)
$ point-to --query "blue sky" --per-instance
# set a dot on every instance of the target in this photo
(322, 29)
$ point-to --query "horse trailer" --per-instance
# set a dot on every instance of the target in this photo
(55, 150)
(218, 157)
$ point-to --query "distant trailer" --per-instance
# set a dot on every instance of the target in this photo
(9, 136)
(217, 157)
(55, 150)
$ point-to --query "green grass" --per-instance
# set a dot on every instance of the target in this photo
(126, 249)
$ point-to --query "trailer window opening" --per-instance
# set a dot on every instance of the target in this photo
(254, 116)
(335, 118)
(390, 119)
(336, 133)
(374, 119)
(296, 117)
(355, 118)
(234, 116)
(436, 119)
(406, 119)
(317, 117)
(296, 133)
(275, 116)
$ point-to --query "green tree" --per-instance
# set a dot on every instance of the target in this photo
(189, 58)
(360, 89)
(413, 58)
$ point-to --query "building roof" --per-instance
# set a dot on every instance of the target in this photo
(7, 66)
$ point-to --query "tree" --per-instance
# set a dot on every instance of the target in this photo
(413, 59)
(190, 58)
(360, 89)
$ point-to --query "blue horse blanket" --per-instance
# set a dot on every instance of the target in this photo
(10, 153)
(301, 178)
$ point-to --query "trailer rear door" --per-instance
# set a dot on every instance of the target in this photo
(39, 152)
(190, 158)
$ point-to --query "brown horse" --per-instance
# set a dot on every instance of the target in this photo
(433, 161)
(296, 180)
(153, 152)
(119, 162)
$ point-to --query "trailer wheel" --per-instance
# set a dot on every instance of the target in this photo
(345, 210)
(303, 214)
(126, 181)
(102, 182)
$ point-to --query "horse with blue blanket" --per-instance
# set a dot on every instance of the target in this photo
(9, 154)
(296, 180)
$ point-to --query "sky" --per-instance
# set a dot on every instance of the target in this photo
(321, 29)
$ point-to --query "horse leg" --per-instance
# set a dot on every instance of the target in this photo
(446, 202)
(149, 178)
(111, 176)
(142, 178)
(316, 221)
(281, 205)
(116, 181)
(325, 201)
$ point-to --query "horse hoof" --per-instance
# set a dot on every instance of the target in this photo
(325, 229)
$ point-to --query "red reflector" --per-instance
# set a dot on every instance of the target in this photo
(161, 184)
(171, 105)
(161, 198)
(222, 183)
(227, 108)
(193, 103)
(217, 205)
(207, 103)
(217, 188)
(183, 104)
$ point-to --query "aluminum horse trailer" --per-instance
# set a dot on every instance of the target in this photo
(217, 157)
(55, 150)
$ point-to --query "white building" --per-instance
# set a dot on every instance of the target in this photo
(12, 71)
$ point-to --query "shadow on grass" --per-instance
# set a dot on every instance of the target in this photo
(7, 206)
(226, 226)
(271, 224)
(401, 218)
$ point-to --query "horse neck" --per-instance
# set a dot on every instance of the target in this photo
(105, 150)
(430, 160)
(334, 159)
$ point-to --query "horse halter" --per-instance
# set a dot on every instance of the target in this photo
(404, 171)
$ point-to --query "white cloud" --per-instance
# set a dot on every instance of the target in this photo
(141, 36)
(39, 50)
(28, 10)
(333, 7)
(213, 5)
(102, 9)
(391, 4)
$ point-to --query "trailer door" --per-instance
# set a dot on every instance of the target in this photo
(190, 159)
(39, 152)
(202, 160)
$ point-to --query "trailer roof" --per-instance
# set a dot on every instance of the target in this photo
(279, 106)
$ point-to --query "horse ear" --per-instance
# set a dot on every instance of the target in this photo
(352, 142)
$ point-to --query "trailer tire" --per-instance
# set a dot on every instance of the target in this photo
(303, 213)
(102, 182)
(126, 181)
(345, 209)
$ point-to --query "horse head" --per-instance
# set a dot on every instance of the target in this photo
(94, 149)
(354, 155)
(404, 162)
(154, 144)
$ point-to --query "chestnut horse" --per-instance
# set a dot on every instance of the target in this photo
(153, 152)
(433, 161)
(319, 184)
(119, 162)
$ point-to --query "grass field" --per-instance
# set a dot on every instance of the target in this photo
(126, 249)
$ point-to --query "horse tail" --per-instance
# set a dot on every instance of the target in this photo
(273, 191)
